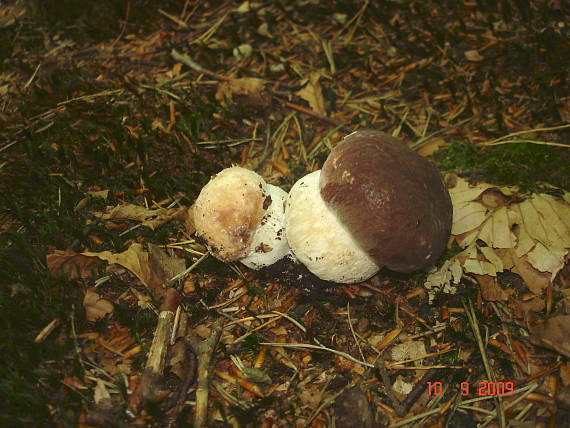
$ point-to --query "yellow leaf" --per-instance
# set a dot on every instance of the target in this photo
(496, 231)
(467, 216)
(313, 94)
(431, 146)
(547, 260)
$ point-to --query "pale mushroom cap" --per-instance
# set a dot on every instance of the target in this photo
(319, 241)
(269, 243)
(228, 211)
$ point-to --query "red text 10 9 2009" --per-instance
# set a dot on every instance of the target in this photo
(480, 389)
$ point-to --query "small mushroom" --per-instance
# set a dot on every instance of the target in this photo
(240, 217)
(390, 202)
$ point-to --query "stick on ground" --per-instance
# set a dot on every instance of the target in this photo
(204, 351)
(148, 389)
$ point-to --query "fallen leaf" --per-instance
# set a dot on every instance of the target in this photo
(535, 281)
(408, 351)
(311, 397)
(73, 382)
(496, 230)
(313, 93)
(101, 396)
(473, 55)
(554, 334)
(95, 306)
(249, 89)
(537, 230)
(546, 260)
(431, 146)
(490, 290)
(153, 270)
(103, 194)
(444, 279)
(72, 265)
(149, 218)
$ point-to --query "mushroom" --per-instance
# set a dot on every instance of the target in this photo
(240, 217)
(319, 240)
(391, 203)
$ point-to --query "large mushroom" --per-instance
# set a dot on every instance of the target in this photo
(240, 217)
(375, 203)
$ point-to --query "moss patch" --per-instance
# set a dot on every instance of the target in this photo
(529, 166)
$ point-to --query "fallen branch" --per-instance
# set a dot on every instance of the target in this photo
(204, 351)
(148, 389)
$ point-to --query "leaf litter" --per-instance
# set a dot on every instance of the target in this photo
(305, 82)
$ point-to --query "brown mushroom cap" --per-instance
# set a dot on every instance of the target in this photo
(393, 202)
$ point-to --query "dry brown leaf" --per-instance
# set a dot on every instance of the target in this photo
(163, 266)
(473, 55)
(554, 334)
(431, 146)
(71, 264)
(490, 290)
(153, 269)
(101, 395)
(103, 194)
(246, 89)
(535, 281)
(313, 93)
(73, 382)
(149, 218)
(186, 217)
(95, 306)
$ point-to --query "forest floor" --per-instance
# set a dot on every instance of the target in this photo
(113, 116)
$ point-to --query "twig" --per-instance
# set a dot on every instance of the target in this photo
(190, 371)
(388, 387)
(320, 348)
(307, 112)
(204, 351)
(523, 141)
(47, 330)
(352, 331)
(470, 311)
(326, 403)
(185, 59)
(527, 131)
(423, 140)
(147, 390)
(418, 390)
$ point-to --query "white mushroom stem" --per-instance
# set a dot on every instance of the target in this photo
(269, 243)
(319, 240)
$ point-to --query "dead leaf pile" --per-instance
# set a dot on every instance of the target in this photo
(499, 230)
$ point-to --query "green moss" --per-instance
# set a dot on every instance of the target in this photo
(523, 164)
